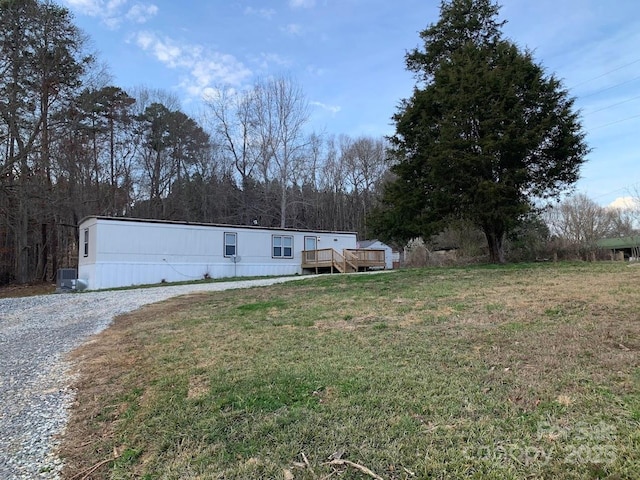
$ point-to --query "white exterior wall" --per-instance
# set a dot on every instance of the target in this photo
(388, 253)
(130, 252)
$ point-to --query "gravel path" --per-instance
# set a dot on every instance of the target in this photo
(35, 334)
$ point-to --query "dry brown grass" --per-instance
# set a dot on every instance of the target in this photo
(113, 361)
(506, 349)
(14, 291)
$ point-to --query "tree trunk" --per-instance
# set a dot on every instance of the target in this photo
(495, 241)
(21, 245)
(112, 165)
(283, 204)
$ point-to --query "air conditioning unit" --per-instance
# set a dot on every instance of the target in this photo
(66, 280)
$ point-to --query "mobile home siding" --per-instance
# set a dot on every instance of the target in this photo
(125, 252)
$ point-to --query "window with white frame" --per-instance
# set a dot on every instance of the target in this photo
(86, 242)
(282, 246)
(230, 244)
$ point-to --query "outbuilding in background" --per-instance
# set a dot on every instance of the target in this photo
(378, 245)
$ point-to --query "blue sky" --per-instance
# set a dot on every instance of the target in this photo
(348, 56)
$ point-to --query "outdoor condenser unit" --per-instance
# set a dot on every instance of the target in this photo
(66, 280)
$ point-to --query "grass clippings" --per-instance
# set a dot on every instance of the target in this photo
(488, 372)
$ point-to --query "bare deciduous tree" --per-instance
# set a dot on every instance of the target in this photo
(231, 117)
(581, 221)
(364, 160)
(281, 113)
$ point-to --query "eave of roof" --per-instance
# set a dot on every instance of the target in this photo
(224, 225)
(619, 243)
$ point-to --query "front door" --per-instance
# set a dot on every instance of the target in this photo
(310, 246)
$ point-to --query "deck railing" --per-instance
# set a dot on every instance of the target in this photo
(368, 258)
(351, 260)
(312, 257)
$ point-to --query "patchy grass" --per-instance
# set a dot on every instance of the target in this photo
(183, 282)
(502, 373)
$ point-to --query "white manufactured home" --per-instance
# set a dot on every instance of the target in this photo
(116, 252)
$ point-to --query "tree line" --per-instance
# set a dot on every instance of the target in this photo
(73, 145)
(486, 140)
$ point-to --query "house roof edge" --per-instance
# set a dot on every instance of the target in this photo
(204, 224)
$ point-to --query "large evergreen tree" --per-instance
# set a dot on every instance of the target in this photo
(485, 135)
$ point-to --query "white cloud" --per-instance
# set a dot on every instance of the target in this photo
(264, 61)
(203, 68)
(145, 40)
(141, 13)
(85, 7)
(210, 94)
(114, 5)
(625, 203)
(333, 109)
(112, 22)
(315, 71)
(302, 3)
(267, 13)
(293, 29)
(113, 12)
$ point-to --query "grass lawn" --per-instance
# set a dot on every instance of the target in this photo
(524, 371)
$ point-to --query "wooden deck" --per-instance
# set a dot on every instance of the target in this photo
(350, 260)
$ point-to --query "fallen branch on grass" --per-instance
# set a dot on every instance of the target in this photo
(357, 466)
(308, 465)
(84, 474)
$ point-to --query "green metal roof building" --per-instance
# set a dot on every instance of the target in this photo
(620, 243)
(629, 245)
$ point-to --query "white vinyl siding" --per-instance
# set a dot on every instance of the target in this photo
(125, 252)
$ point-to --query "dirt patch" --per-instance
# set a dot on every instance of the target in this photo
(198, 387)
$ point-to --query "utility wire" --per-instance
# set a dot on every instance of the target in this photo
(614, 123)
(610, 106)
(597, 92)
(604, 74)
(626, 189)
(609, 88)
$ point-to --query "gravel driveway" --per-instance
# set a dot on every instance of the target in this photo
(35, 334)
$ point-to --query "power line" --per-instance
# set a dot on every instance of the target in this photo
(611, 192)
(605, 74)
(611, 106)
(609, 88)
(614, 123)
